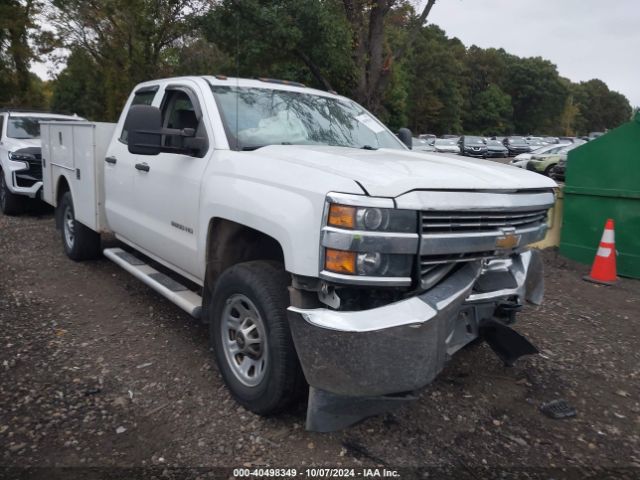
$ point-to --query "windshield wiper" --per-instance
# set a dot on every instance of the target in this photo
(368, 147)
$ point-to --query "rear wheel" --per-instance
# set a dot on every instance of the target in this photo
(79, 241)
(250, 336)
(10, 203)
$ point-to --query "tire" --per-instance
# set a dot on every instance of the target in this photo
(79, 241)
(10, 203)
(547, 171)
(253, 297)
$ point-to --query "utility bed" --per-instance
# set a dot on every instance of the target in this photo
(76, 151)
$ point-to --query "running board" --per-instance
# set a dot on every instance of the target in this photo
(166, 286)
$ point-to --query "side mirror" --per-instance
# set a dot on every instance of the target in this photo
(144, 127)
(404, 134)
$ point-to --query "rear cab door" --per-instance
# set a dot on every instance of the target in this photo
(121, 212)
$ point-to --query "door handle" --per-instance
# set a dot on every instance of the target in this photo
(111, 160)
(143, 167)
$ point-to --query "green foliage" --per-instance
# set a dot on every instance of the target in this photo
(410, 75)
(301, 40)
(490, 113)
(600, 108)
(18, 87)
(80, 87)
(437, 83)
(129, 41)
(537, 94)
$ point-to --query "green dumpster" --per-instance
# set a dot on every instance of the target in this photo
(603, 181)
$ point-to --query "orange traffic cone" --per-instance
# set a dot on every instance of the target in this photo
(604, 265)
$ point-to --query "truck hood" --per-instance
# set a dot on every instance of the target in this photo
(390, 173)
(13, 144)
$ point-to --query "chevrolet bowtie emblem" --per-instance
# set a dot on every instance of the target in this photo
(508, 240)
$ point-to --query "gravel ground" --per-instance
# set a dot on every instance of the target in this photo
(96, 369)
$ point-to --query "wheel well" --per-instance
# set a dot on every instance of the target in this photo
(229, 243)
(62, 188)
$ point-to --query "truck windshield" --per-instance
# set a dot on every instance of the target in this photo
(23, 128)
(256, 117)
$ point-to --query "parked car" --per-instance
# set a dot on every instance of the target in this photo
(430, 137)
(495, 149)
(446, 145)
(448, 136)
(544, 163)
(20, 157)
(472, 146)
(516, 145)
(422, 145)
(522, 159)
(318, 251)
(536, 142)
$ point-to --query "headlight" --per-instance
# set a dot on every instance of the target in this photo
(372, 218)
(368, 264)
(21, 156)
(366, 241)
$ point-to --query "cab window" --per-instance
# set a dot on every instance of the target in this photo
(141, 97)
(178, 112)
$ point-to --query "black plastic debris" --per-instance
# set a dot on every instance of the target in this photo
(558, 409)
(508, 344)
(92, 391)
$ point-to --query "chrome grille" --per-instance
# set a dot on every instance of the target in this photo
(474, 221)
(452, 237)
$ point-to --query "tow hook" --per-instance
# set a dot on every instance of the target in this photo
(507, 344)
(506, 311)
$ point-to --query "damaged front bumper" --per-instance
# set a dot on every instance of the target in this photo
(402, 346)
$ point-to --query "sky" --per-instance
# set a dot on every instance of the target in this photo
(585, 38)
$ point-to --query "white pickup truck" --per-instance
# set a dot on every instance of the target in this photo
(322, 253)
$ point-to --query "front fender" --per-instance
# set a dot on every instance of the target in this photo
(282, 201)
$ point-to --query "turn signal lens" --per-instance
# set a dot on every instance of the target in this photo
(340, 261)
(341, 216)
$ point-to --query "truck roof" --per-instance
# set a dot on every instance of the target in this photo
(269, 83)
(36, 113)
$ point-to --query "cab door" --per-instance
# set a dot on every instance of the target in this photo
(167, 186)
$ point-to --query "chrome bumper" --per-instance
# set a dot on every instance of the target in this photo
(402, 346)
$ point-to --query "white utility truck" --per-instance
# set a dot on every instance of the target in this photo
(323, 254)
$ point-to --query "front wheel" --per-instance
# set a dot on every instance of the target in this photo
(251, 340)
(80, 242)
(10, 203)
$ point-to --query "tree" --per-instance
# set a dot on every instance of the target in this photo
(301, 40)
(373, 57)
(80, 87)
(537, 92)
(127, 39)
(490, 113)
(436, 83)
(18, 87)
(600, 108)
